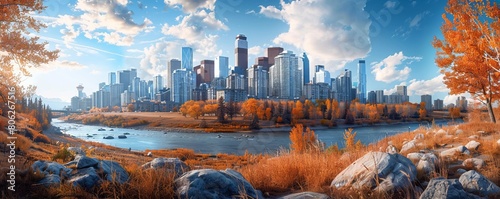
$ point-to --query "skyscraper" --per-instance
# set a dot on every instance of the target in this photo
(428, 102)
(221, 66)
(286, 76)
(80, 91)
(305, 69)
(272, 52)
(172, 65)
(241, 54)
(182, 86)
(112, 78)
(380, 96)
(123, 77)
(361, 92)
(321, 75)
(158, 84)
(402, 90)
(187, 58)
(257, 82)
(344, 87)
(205, 72)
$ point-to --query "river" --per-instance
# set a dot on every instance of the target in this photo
(232, 143)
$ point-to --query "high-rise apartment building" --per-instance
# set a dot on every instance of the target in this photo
(241, 54)
(428, 102)
(257, 82)
(204, 72)
(158, 84)
(305, 69)
(286, 76)
(344, 87)
(361, 92)
(380, 96)
(187, 58)
(438, 104)
(123, 77)
(372, 97)
(172, 65)
(182, 85)
(402, 90)
(322, 75)
(221, 66)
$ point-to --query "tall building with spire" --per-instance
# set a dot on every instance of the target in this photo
(241, 54)
(361, 91)
(80, 91)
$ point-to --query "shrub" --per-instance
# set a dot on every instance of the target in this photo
(63, 155)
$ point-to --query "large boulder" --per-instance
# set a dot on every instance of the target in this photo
(85, 178)
(472, 145)
(50, 180)
(426, 166)
(392, 171)
(440, 188)
(408, 146)
(305, 195)
(476, 163)
(454, 151)
(209, 183)
(113, 171)
(50, 168)
(81, 162)
(170, 164)
(474, 182)
(391, 149)
(414, 157)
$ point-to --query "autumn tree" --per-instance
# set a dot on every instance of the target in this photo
(422, 112)
(20, 50)
(303, 141)
(298, 111)
(454, 112)
(130, 108)
(249, 107)
(469, 54)
(221, 110)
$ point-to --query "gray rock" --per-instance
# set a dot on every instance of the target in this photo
(57, 169)
(473, 137)
(408, 146)
(472, 145)
(39, 165)
(461, 171)
(440, 188)
(414, 157)
(209, 183)
(114, 171)
(305, 195)
(426, 166)
(76, 150)
(474, 182)
(50, 180)
(393, 171)
(170, 164)
(391, 149)
(459, 131)
(81, 162)
(441, 132)
(453, 151)
(86, 178)
(475, 162)
(149, 154)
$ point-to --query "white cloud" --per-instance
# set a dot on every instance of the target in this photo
(189, 6)
(422, 87)
(256, 51)
(108, 21)
(387, 70)
(193, 30)
(270, 11)
(331, 32)
(250, 12)
(154, 61)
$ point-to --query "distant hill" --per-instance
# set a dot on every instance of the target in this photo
(54, 103)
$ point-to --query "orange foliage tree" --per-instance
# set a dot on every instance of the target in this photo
(298, 111)
(249, 107)
(303, 141)
(468, 54)
(20, 49)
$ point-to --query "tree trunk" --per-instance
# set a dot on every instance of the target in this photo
(490, 111)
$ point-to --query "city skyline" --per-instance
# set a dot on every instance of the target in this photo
(397, 45)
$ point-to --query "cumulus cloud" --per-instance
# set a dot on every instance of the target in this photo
(330, 31)
(395, 89)
(154, 61)
(422, 87)
(256, 51)
(189, 6)
(192, 29)
(108, 21)
(387, 70)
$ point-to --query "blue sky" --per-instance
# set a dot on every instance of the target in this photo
(96, 37)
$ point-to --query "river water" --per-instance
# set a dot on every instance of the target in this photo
(232, 143)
